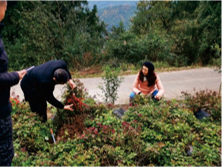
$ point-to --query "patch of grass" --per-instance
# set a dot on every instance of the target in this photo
(92, 72)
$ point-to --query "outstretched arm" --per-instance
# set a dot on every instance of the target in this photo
(160, 88)
(135, 84)
(9, 79)
(53, 101)
(72, 84)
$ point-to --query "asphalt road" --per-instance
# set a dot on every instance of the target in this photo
(174, 82)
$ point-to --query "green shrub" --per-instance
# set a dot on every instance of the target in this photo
(149, 134)
(208, 100)
(33, 135)
(153, 46)
(111, 82)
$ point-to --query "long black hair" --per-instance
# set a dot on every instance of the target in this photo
(151, 76)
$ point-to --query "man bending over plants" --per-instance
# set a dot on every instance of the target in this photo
(39, 83)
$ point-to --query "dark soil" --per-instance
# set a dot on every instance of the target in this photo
(75, 125)
(72, 126)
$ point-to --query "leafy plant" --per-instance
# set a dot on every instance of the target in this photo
(149, 133)
(111, 82)
(204, 99)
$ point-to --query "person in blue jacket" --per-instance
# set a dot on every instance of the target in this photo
(6, 81)
(39, 83)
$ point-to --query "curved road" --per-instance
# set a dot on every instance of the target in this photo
(174, 82)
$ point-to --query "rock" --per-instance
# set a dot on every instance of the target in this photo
(201, 114)
(119, 112)
(189, 150)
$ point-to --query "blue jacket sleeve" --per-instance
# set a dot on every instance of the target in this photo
(9, 79)
(53, 101)
(49, 95)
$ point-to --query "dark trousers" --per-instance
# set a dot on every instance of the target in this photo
(39, 106)
(6, 143)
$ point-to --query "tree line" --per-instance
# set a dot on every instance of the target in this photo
(179, 33)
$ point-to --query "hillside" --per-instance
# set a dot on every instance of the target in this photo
(114, 14)
(103, 4)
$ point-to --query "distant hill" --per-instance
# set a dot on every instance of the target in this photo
(104, 4)
(113, 15)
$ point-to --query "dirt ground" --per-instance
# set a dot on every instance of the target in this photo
(75, 125)
(90, 71)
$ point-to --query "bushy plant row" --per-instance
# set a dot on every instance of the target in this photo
(150, 133)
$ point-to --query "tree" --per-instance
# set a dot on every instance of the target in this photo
(117, 31)
(209, 29)
(194, 27)
(152, 15)
(43, 31)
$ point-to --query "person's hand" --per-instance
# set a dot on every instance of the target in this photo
(158, 97)
(21, 73)
(68, 107)
(72, 84)
(142, 95)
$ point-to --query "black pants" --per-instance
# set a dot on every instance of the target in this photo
(39, 106)
(6, 143)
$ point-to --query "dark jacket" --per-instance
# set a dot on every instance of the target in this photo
(6, 81)
(39, 83)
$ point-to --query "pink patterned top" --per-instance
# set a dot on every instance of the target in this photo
(142, 87)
